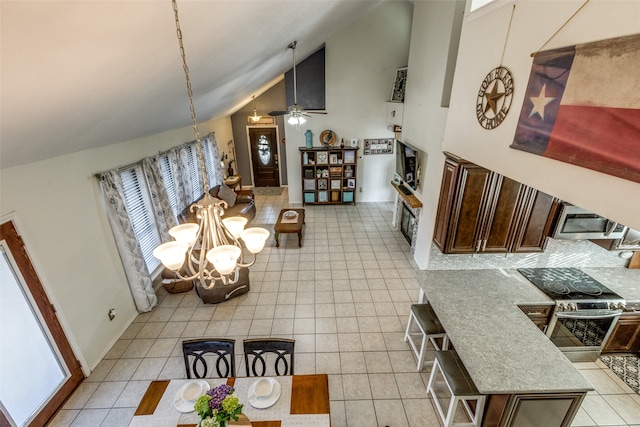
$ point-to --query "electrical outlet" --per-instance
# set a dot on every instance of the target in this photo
(360, 189)
(112, 314)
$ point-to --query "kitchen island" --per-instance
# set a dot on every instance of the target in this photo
(527, 378)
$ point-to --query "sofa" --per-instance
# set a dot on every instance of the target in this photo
(244, 204)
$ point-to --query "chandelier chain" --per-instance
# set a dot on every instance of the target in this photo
(185, 67)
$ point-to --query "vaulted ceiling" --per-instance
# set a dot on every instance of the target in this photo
(77, 75)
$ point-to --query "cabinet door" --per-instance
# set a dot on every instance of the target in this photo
(536, 220)
(625, 336)
(445, 201)
(502, 213)
(468, 209)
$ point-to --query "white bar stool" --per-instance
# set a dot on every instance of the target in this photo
(461, 388)
(430, 330)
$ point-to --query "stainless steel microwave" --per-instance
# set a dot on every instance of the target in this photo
(577, 223)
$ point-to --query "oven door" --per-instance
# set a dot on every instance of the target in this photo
(581, 334)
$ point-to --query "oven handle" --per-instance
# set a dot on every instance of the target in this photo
(589, 314)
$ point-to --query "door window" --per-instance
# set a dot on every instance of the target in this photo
(264, 150)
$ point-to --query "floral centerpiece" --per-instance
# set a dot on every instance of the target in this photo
(217, 406)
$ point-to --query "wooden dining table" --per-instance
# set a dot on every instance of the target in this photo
(304, 401)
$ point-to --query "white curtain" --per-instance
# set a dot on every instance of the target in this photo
(159, 197)
(135, 268)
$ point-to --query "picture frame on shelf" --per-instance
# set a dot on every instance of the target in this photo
(322, 184)
(349, 157)
(322, 158)
(354, 142)
(351, 183)
(399, 85)
(333, 158)
(309, 184)
(323, 196)
(335, 184)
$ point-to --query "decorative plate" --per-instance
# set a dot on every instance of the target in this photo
(327, 138)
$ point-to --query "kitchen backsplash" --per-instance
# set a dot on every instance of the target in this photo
(559, 253)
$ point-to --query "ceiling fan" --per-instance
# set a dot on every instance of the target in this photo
(296, 112)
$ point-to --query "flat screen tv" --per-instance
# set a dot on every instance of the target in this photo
(407, 164)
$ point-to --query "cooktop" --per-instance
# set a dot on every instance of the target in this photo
(568, 284)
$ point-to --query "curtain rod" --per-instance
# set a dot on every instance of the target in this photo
(99, 174)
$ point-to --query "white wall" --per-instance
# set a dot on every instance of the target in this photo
(58, 205)
(360, 67)
(481, 46)
(424, 119)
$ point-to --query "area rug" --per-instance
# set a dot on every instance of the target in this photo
(626, 367)
(268, 191)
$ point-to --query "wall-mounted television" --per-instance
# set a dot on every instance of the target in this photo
(408, 164)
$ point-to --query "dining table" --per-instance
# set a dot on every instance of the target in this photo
(303, 401)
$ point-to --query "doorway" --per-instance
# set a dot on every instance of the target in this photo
(263, 144)
(33, 347)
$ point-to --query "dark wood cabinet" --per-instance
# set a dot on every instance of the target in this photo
(539, 314)
(625, 337)
(483, 211)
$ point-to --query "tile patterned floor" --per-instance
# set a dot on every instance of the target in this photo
(344, 296)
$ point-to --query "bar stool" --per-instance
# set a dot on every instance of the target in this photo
(430, 329)
(460, 386)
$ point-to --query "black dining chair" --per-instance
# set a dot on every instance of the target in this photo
(261, 352)
(201, 355)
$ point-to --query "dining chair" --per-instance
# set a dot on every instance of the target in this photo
(202, 354)
(259, 353)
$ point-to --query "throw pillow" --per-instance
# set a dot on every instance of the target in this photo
(228, 195)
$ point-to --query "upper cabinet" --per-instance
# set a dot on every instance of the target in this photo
(482, 211)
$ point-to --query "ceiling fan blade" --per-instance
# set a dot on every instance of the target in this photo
(315, 112)
(278, 113)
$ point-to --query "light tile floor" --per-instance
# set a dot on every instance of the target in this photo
(344, 296)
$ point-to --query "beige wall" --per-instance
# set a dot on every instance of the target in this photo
(58, 206)
(360, 67)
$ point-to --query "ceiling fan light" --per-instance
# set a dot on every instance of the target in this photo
(293, 120)
(301, 120)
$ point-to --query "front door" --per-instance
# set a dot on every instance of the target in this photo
(39, 368)
(264, 157)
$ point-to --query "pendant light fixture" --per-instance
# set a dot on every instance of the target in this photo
(255, 118)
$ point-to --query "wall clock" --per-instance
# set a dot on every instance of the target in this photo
(494, 98)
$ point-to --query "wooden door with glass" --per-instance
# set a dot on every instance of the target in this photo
(264, 156)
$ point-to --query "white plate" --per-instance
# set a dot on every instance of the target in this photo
(290, 214)
(265, 402)
(184, 406)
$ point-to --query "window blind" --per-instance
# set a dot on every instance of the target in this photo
(194, 171)
(169, 182)
(140, 212)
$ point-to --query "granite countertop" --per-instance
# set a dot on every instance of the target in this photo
(623, 281)
(504, 352)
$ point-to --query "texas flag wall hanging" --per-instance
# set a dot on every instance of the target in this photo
(582, 106)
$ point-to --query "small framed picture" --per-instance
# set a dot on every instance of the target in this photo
(335, 184)
(333, 158)
(323, 196)
(354, 142)
(322, 157)
(322, 184)
(309, 184)
(350, 156)
(351, 183)
(399, 85)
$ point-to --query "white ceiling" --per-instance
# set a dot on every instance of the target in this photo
(77, 75)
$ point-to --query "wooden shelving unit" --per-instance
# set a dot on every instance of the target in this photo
(329, 175)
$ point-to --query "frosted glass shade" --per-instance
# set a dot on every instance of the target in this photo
(254, 238)
(293, 120)
(171, 254)
(224, 258)
(185, 233)
(235, 225)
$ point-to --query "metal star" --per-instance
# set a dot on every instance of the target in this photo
(492, 98)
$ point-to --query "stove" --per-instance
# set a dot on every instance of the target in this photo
(571, 285)
(586, 311)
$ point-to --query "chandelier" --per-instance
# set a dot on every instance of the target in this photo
(211, 249)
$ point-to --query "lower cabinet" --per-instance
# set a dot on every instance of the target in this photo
(625, 337)
(539, 314)
(483, 211)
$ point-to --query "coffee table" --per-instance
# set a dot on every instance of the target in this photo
(283, 225)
